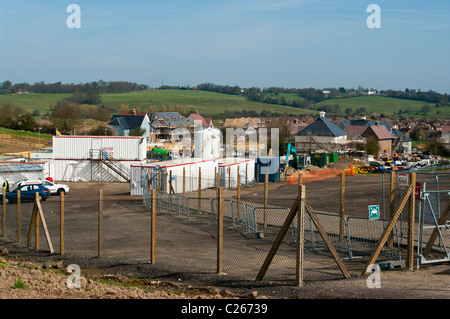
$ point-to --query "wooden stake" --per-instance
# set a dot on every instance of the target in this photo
(342, 207)
(184, 181)
(391, 207)
(300, 235)
(100, 224)
(278, 240)
(220, 231)
(257, 174)
(435, 232)
(327, 241)
(246, 174)
(238, 196)
(36, 240)
(199, 205)
(153, 229)
(388, 230)
(411, 223)
(61, 221)
(19, 223)
(44, 224)
(4, 212)
(266, 197)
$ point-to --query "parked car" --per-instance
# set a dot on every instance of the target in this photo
(54, 188)
(27, 193)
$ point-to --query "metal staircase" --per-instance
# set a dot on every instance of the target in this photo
(111, 163)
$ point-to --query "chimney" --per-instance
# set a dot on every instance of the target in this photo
(133, 111)
(322, 114)
(196, 111)
(377, 123)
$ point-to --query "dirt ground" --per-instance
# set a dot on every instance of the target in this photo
(123, 273)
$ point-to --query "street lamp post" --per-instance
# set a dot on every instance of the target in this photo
(39, 137)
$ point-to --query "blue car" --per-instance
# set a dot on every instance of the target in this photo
(27, 193)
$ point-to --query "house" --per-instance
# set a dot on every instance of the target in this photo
(383, 138)
(445, 137)
(322, 134)
(355, 132)
(126, 122)
(205, 122)
(243, 122)
(362, 122)
(164, 123)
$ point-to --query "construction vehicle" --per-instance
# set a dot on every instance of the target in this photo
(292, 149)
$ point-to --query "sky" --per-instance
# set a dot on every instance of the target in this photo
(249, 43)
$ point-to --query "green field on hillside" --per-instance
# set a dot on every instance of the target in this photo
(207, 103)
(388, 106)
(212, 103)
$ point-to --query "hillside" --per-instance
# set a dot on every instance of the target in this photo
(207, 103)
(388, 106)
(212, 103)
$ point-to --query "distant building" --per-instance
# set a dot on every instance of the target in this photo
(322, 134)
(205, 122)
(164, 123)
(126, 122)
(383, 138)
(445, 137)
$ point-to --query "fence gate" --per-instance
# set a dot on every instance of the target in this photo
(434, 227)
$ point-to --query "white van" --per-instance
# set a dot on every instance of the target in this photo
(52, 187)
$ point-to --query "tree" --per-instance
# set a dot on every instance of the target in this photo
(425, 109)
(372, 146)
(66, 115)
(137, 131)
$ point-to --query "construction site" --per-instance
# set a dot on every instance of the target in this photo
(297, 221)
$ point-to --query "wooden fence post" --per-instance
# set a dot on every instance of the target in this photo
(61, 221)
(391, 206)
(266, 195)
(199, 205)
(257, 174)
(238, 195)
(388, 230)
(36, 242)
(300, 233)
(153, 229)
(184, 181)
(100, 224)
(342, 207)
(246, 174)
(19, 212)
(4, 212)
(215, 177)
(411, 223)
(219, 230)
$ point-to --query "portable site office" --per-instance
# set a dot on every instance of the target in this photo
(159, 174)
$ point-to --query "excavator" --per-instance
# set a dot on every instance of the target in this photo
(290, 149)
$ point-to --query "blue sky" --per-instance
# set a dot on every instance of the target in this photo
(260, 43)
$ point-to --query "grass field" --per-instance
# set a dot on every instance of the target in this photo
(388, 106)
(207, 103)
(211, 103)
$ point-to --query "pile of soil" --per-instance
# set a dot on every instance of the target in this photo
(344, 163)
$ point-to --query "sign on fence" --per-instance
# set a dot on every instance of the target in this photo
(374, 212)
(417, 191)
(403, 180)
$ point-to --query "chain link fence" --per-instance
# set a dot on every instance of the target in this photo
(187, 227)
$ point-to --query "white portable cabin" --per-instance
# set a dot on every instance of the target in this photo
(187, 167)
(91, 158)
(229, 168)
